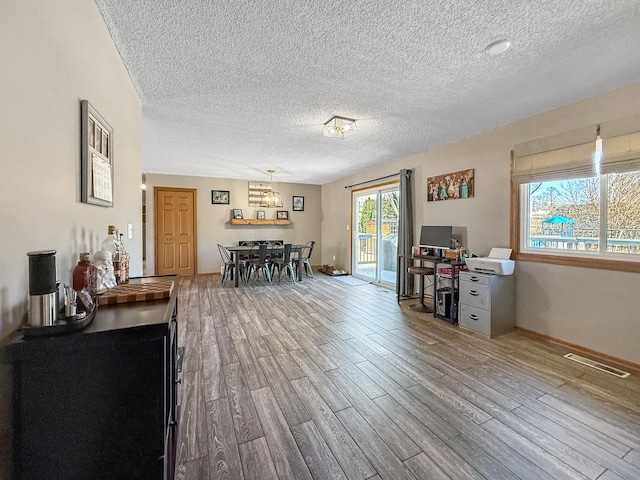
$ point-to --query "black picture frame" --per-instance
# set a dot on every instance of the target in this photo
(220, 197)
(237, 213)
(96, 157)
(298, 203)
(282, 214)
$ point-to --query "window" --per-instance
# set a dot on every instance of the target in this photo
(574, 207)
(567, 215)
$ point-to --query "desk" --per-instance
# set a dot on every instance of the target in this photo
(450, 313)
(237, 250)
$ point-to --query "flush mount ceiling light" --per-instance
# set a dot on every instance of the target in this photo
(270, 199)
(339, 127)
(498, 47)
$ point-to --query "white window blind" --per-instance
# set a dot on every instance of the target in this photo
(570, 155)
(621, 154)
(559, 157)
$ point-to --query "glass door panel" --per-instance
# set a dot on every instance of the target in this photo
(365, 250)
(375, 235)
(388, 256)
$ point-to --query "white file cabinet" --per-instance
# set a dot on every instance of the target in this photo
(487, 303)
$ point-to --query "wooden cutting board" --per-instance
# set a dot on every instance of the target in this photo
(136, 292)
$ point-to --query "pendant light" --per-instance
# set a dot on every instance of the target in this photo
(270, 198)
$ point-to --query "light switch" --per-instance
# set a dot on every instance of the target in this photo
(129, 231)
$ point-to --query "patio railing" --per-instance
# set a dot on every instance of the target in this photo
(620, 245)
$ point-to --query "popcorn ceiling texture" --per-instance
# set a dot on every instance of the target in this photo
(231, 89)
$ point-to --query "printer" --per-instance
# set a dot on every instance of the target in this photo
(497, 262)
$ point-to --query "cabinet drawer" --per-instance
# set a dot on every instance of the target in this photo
(475, 319)
(475, 294)
(475, 277)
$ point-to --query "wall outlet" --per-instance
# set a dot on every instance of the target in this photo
(129, 231)
(347, 228)
(334, 258)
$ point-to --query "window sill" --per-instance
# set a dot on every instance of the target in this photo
(584, 262)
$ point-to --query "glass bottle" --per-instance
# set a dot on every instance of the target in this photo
(124, 265)
(111, 245)
(84, 275)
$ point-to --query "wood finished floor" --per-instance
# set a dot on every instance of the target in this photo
(325, 380)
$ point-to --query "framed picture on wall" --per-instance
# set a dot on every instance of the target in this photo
(451, 186)
(96, 159)
(282, 215)
(220, 197)
(298, 204)
(237, 213)
(260, 215)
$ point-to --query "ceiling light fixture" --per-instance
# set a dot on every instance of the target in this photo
(498, 47)
(270, 199)
(339, 127)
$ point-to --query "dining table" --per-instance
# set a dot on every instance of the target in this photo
(238, 250)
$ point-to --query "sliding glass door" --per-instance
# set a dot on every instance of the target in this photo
(375, 234)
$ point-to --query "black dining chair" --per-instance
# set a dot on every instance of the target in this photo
(230, 264)
(259, 264)
(283, 262)
(306, 252)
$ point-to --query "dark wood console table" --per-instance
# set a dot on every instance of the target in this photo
(100, 402)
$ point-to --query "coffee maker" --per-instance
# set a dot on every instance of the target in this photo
(43, 288)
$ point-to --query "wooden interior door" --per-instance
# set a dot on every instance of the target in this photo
(175, 231)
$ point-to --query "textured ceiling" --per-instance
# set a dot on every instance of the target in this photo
(231, 89)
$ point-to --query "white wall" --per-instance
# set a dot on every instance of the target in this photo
(592, 308)
(53, 55)
(213, 220)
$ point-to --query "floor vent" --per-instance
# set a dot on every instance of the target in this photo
(597, 365)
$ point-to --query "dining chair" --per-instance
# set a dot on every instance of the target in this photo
(259, 264)
(306, 252)
(275, 251)
(229, 264)
(283, 263)
(247, 256)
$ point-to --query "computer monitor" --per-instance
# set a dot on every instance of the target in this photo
(436, 237)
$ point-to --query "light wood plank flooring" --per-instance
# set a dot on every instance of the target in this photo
(324, 380)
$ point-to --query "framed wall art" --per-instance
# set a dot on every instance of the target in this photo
(237, 213)
(298, 204)
(256, 192)
(282, 215)
(260, 215)
(220, 197)
(451, 186)
(96, 146)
